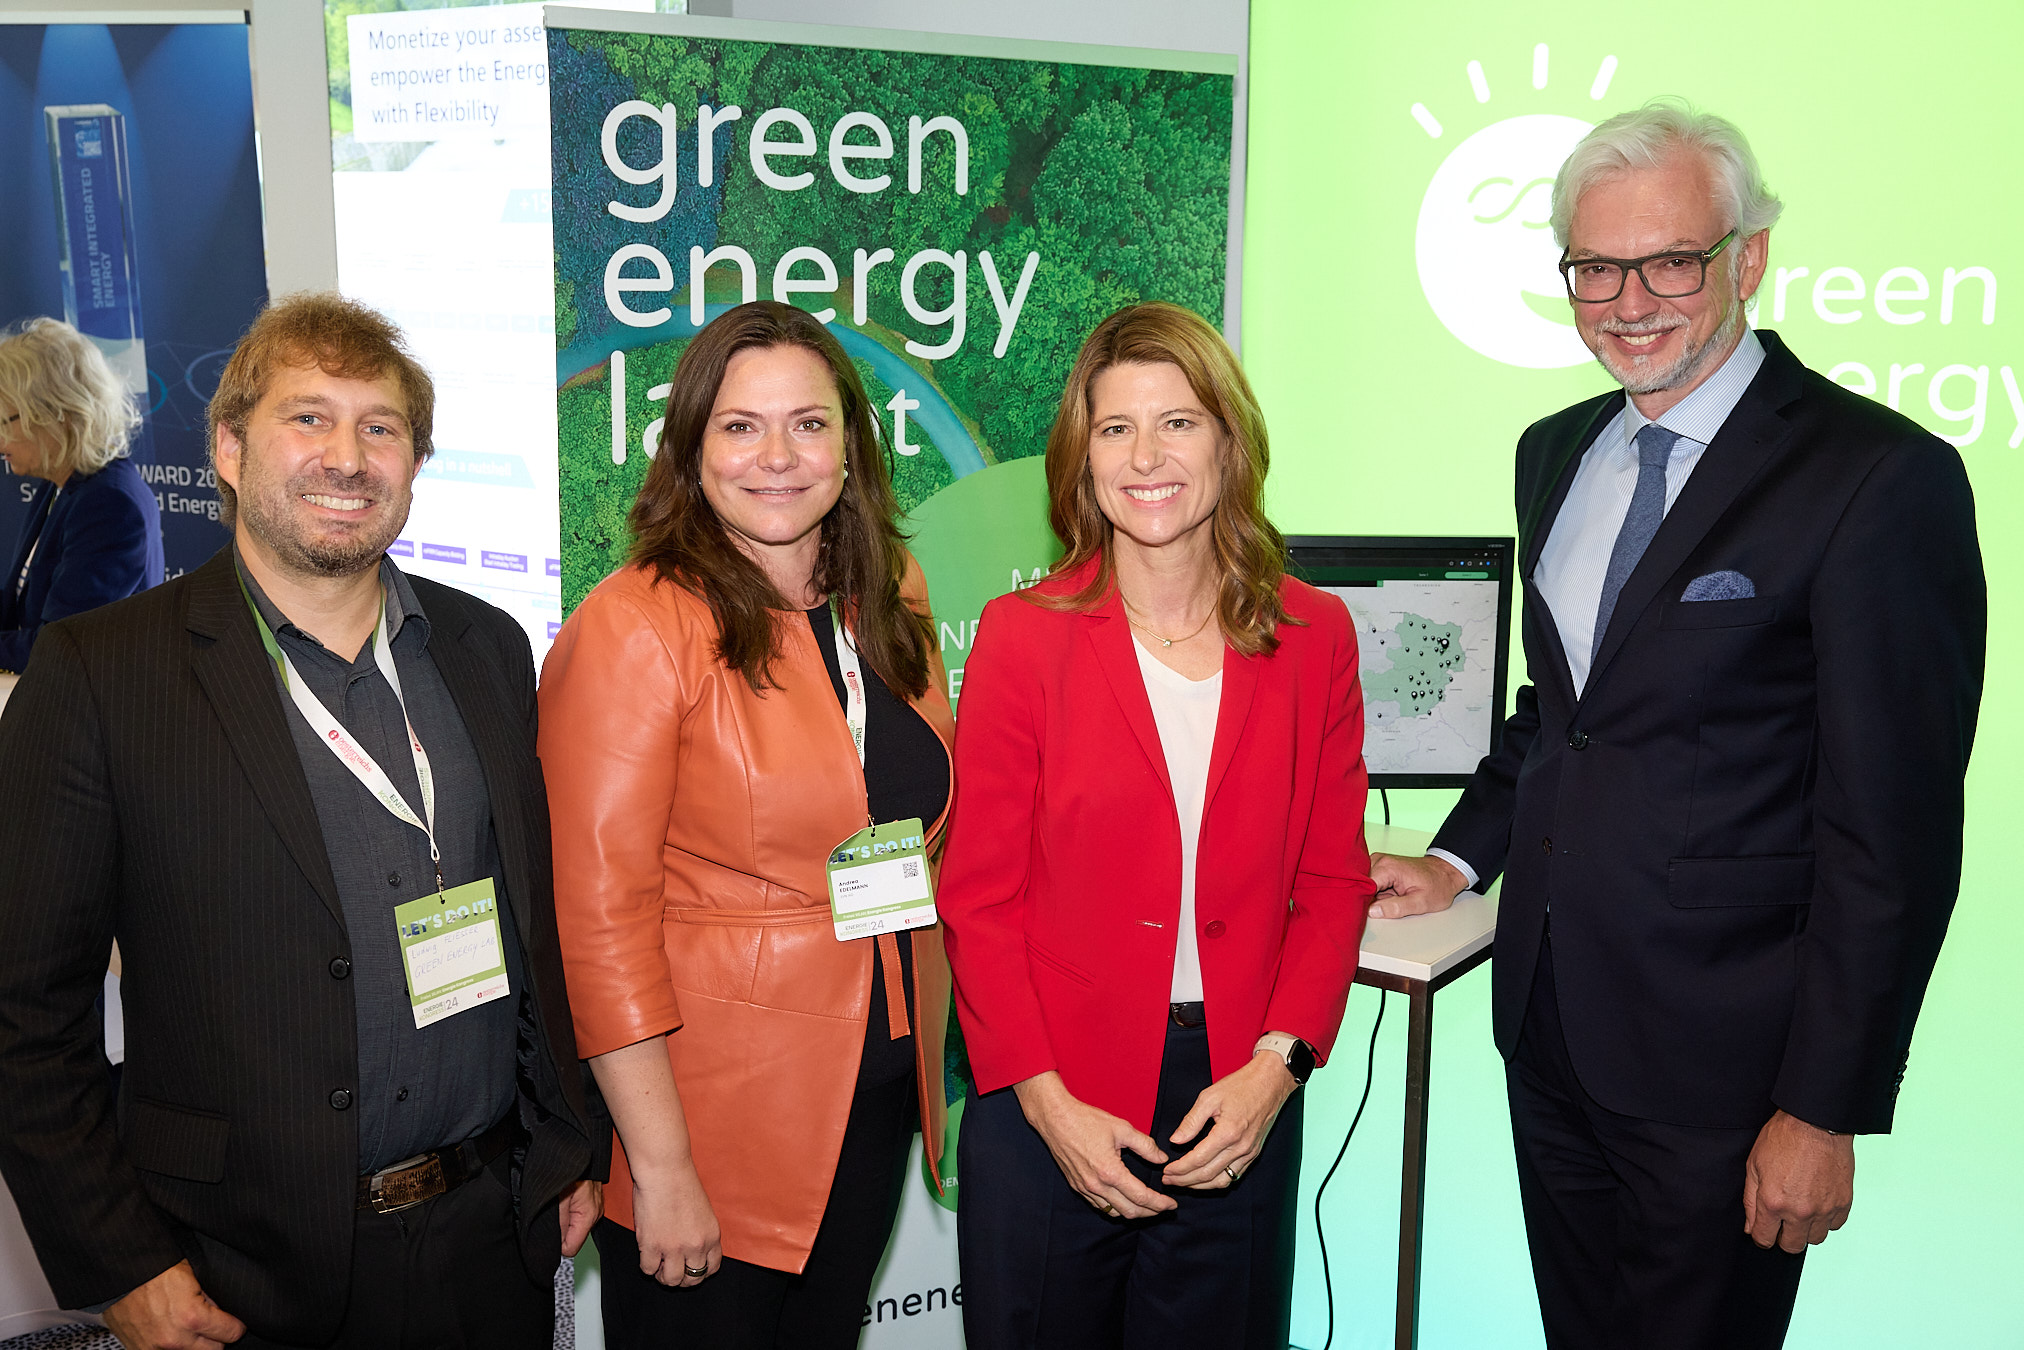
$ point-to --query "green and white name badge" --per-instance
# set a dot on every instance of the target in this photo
(450, 945)
(878, 881)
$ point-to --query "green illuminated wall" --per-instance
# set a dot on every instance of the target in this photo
(1892, 133)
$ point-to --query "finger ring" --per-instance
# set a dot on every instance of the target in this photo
(1111, 1210)
(1232, 1170)
(693, 1272)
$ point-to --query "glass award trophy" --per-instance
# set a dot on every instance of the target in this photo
(95, 239)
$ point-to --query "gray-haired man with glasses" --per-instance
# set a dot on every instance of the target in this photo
(1728, 811)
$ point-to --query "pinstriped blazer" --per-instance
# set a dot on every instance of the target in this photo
(149, 791)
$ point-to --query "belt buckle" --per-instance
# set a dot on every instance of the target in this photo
(406, 1183)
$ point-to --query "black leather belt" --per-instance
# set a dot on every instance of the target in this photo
(428, 1175)
(1190, 1015)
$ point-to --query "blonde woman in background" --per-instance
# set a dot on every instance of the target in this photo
(93, 532)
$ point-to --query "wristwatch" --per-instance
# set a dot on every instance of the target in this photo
(1298, 1054)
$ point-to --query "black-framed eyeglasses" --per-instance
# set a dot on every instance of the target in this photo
(1669, 276)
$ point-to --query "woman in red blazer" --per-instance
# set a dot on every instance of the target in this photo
(1156, 878)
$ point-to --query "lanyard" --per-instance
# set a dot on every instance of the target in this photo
(348, 751)
(853, 680)
(854, 714)
(21, 578)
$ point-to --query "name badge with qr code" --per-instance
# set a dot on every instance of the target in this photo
(878, 881)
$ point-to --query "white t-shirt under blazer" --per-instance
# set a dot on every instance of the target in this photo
(1184, 710)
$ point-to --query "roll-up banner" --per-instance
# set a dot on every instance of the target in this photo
(960, 212)
(133, 212)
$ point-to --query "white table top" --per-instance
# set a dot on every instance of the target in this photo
(1425, 946)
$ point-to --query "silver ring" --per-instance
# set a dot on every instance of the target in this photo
(692, 1272)
(1232, 1170)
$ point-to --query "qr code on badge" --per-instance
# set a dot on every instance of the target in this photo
(910, 868)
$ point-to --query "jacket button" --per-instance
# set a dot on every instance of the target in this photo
(340, 1099)
(1546, 846)
(339, 968)
(1213, 928)
(1577, 740)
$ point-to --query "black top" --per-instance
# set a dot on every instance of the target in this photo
(417, 1089)
(906, 774)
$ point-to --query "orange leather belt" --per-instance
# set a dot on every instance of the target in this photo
(896, 995)
(888, 947)
(746, 918)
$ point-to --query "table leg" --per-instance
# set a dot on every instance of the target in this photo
(1413, 1173)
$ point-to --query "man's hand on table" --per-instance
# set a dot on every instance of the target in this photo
(1413, 885)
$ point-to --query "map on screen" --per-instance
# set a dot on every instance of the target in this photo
(1430, 621)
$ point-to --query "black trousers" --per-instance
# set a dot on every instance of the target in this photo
(443, 1275)
(1636, 1226)
(1044, 1268)
(749, 1307)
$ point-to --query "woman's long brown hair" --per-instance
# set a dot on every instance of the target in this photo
(862, 557)
(1250, 553)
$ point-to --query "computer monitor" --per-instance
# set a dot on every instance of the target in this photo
(1433, 623)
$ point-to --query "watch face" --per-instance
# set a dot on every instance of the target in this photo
(1300, 1060)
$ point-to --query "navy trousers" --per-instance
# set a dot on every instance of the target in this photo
(1636, 1226)
(1044, 1268)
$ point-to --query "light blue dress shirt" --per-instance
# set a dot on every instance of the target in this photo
(1576, 556)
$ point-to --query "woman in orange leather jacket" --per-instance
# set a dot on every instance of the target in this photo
(697, 734)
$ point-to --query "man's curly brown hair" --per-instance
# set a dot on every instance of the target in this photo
(338, 336)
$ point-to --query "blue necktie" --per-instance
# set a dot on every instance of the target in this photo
(1647, 510)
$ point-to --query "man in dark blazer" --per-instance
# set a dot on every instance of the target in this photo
(301, 1154)
(1728, 810)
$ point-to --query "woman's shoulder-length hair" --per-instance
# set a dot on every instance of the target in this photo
(862, 557)
(1250, 553)
(53, 376)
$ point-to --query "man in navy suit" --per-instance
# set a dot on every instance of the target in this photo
(1728, 811)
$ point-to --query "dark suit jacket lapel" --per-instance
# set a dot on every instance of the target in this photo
(1557, 670)
(487, 707)
(1753, 433)
(236, 676)
(1538, 524)
(1545, 508)
(1109, 635)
